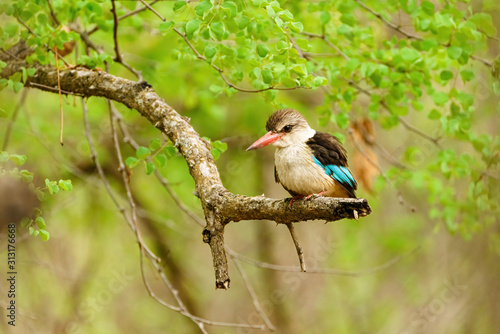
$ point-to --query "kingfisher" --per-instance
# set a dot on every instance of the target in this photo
(306, 162)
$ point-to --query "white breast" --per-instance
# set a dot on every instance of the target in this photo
(297, 171)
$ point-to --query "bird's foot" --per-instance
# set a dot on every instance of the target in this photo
(293, 200)
(318, 194)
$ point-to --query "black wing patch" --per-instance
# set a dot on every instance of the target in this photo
(331, 156)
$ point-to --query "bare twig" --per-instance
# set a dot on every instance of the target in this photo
(327, 271)
(52, 89)
(52, 13)
(164, 182)
(118, 56)
(300, 252)
(148, 6)
(124, 16)
(252, 293)
(328, 42)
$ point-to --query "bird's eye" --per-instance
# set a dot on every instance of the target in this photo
(287, 128)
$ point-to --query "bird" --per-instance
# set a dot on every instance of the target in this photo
(307, 162)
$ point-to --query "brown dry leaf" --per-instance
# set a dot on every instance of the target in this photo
(68, 46)
(364, 169)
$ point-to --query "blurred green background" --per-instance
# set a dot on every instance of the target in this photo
(433, 269)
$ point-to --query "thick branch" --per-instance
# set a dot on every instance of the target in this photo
(219, 205)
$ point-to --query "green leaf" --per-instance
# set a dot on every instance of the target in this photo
(230, 7)
(160, 160)
(154, 144)
(18, 159)
(296, 27)
(242, 22)
(18, 86)
(65, 185)
(52, 186)
(467, 75)
(178, 5)
(267, 76)
(202, 7)
(300, 69)
(10, 29)
(26, 176)
(320, 81)
(150, 168)
(434, 114)
(192, 26)
(409, 54)
(165, 26)
(440, 98)
(131, 162)
(352, 64)
(143, 152)
(44, 235)
(324, 17)
(485, 23)
(454, 52)
(342, 120)
(40, 222)
(303, 44)
(262, 50)
(218, 29)
(210, 51)
(446, 75)
(427, 7)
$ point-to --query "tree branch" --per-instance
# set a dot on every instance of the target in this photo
(219, 205)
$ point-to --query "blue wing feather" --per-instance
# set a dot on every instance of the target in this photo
(338, 173)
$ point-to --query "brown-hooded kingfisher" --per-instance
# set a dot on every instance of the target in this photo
(307, 162)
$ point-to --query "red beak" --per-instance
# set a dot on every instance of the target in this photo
(265, 140)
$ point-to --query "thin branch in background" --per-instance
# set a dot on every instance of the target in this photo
(124, 16)
(148, 6)
(252, 293)
(326, 271)
(52, 13)
(127, 138)
(370, 160)
(300, 252)
(118, 56)
(61, 140)
(8, 130)
(420, 133)
(52, 89)
(328, 42)
(412, 36)
(389, 23)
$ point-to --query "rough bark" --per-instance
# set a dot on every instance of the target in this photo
(219, 205)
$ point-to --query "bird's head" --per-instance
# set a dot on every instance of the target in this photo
(285, 127)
